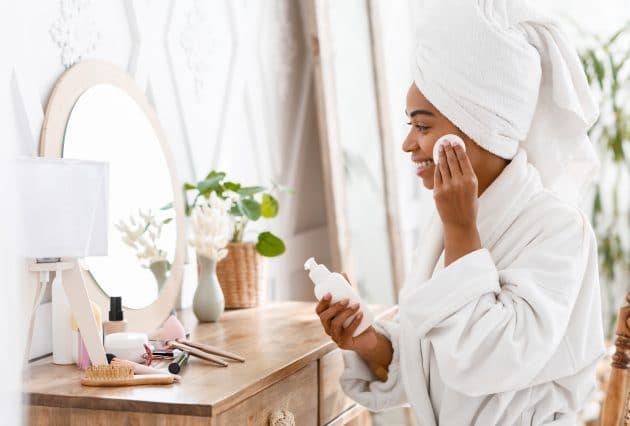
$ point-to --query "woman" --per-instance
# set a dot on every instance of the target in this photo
(499, 320)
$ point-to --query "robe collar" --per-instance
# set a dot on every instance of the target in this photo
(499, 205)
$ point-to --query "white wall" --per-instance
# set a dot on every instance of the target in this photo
(231, 82)
(10, 398)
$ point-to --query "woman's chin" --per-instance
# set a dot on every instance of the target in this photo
(427, 182)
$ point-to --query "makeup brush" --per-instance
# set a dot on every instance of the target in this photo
(212, 350)
(196, 352)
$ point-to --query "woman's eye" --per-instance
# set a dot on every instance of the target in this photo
(418, 126)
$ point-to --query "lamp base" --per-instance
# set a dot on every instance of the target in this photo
(74, 287)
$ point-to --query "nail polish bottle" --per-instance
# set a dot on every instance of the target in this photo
(116, 323)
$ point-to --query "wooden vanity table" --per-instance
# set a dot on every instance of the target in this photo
(291, 364)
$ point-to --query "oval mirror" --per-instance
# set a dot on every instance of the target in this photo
(97, 112)
(107, 125)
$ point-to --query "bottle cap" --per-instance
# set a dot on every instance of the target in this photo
(310, 263)
(115, 308)
(317, 272)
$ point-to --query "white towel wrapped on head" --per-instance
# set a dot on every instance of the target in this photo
(506, 76)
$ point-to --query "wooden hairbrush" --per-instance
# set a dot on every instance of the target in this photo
(109, 375)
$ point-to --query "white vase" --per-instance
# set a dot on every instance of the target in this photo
(160, 271)
(208, 302)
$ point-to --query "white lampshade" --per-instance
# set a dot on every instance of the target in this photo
(63, 206)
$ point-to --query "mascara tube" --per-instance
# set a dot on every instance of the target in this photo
(177, 364)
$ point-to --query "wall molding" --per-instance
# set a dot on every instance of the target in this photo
(75, 31)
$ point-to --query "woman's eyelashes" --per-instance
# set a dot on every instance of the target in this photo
(420, 127)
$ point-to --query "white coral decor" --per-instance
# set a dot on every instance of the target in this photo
(212, 227)
(142, 234)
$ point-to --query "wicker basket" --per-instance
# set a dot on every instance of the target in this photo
(242, 276)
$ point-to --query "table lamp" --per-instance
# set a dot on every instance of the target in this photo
(63, 209)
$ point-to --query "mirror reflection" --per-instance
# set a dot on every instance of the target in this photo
(358, 135)
(106, 124)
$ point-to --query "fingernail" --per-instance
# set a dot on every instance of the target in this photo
(344, 302)
(360, 315)
(355, 306)
(327, 296)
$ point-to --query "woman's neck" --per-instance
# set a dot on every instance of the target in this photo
(493, 167)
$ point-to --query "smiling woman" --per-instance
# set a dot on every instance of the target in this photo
(499, 319)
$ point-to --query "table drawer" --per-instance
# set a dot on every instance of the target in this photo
(297, 394)
(332, 400)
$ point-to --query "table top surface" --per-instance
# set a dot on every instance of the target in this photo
(276, 340)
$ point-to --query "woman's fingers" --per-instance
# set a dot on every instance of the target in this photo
(330, 313)
(323, 304)
(348, 332)
(464, 161)
(336, 325)
(437, 177)
(443, 165)
(453, 161)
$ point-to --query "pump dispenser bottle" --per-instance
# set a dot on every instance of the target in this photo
(335, 284)
(116, 323)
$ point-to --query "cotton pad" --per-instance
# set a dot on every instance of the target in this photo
(445, 140)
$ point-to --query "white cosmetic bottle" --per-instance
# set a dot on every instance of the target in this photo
(335, 284)
(61, 325)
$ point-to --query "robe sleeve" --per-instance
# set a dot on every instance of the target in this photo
(493, 330)
(360, 384)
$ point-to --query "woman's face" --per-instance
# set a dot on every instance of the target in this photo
(427, 125)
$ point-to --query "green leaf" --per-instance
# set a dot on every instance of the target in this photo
(269, 245)
(167, 206)
(250, 190)
(167, 220)
(616, 35)
(237, 209)
(599, 69)
(597, 203)
(214, 173)
(251, 209)
(188, 186)
(210, 184)
(232, 186)
(269, 207)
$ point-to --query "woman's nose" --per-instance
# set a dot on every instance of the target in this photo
(409, 144)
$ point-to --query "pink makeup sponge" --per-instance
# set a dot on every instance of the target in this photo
(454, 139)
(172, 329)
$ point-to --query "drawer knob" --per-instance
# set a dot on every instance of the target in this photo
(281, 418)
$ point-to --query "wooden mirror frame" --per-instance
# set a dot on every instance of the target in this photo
(316, 23)
(66, 92)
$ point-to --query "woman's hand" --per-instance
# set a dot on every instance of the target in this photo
(455, 188)
(375, 349)
(455, 193)
(333, 318)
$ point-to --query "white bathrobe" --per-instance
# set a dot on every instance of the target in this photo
(506, 335)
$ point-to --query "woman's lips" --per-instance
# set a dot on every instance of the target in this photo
(423, 167)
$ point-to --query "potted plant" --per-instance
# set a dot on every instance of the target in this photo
(607, 66)
(242, 272)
